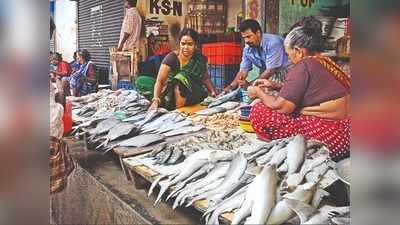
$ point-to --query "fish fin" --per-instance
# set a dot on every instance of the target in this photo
(102, 144)
(164, 186)
(304, 211)
(154, 184)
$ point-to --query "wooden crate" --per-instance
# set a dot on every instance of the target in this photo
(115, 56)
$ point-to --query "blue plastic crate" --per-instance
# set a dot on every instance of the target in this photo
(125, 84)
(222, 75)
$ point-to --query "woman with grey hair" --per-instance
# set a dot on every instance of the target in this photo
(314, 99)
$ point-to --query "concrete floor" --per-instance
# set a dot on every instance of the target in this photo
(99, 193)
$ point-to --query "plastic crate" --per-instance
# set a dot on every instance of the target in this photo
(222, 53)
(125, 84)
(222, 75)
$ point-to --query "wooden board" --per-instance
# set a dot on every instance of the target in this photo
(150, 175)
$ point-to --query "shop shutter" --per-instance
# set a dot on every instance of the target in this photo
(99, 26)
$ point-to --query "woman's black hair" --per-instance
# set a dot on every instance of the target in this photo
(251, 24)
(57, 56)
(189, 32)
(74, 56)
(85, 54)
(307, 35)
(132, 3)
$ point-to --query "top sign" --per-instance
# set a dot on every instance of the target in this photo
(166, 7)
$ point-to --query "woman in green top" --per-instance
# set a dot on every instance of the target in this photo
(182, 75)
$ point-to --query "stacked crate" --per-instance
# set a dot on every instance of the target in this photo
(207, 16)
(223, 62)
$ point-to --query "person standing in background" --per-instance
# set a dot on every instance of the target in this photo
(131, 27)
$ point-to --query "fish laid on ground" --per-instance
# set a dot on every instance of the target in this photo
(191, 164)
(141, 140)
(211, 111)
(184, 130)
(157, 150)
(265, 185)
(135, 118)
(217, 173)
(229, 105)
(120, 130)
(282, 212)
(308, 214)
(228, 205)
(227, 97)
(174, 126)
(296, 150)
(150, 115)
(159, 122)
(235, 172)
(104, 126)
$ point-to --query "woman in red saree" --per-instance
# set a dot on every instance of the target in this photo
(313, 101)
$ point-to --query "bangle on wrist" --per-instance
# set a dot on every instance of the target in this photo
(158, 100)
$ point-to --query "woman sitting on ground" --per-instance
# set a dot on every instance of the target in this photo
(314, 99)
(84, 80)
(62, 72)
(182, 75)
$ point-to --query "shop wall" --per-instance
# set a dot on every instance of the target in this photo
(172, 12)
(234, 7)
(291, 11)
(66, 28)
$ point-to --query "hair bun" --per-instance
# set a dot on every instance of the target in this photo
(312, 26)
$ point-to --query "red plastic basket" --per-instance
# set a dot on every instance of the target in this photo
(222, 53)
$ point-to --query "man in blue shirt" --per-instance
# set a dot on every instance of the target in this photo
(264, 51)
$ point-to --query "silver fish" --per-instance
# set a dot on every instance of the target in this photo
(229, 105)
(211, 111)
(184, 130)
(296, 150)
(224, 98)
(265, 185)
(282, 212)
(227, 206)
(121, 130)
(141, 140)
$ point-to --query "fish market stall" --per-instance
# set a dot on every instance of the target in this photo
(204, 161)
(291, 179)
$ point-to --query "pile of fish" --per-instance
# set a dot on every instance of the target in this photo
(220, 121)
(111, 119)
(218, 109)
(212, 139)
(253, 183)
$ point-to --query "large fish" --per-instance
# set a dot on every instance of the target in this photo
(265, 185)
(224, 98)
(235, 172)
(141, 140)
(184, 130)
(191, 164)
(296, 150)
(150, 115)
(228, 205)
(174, 126)
(282, 212)
(121, 130)
(310, 215)
(211, 111)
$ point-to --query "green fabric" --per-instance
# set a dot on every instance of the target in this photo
(253, 74)
(189, 81)
(145, 86)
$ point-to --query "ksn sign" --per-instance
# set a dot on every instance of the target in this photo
(166, 7)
